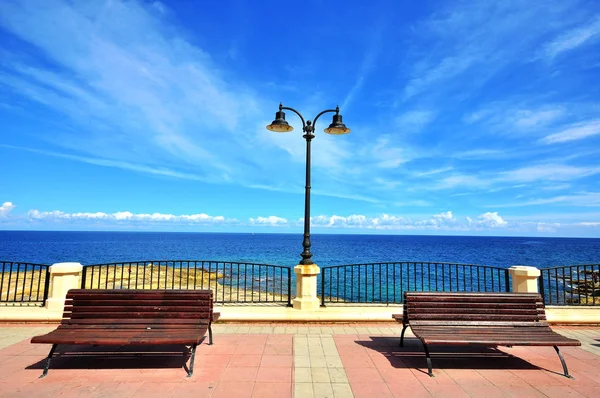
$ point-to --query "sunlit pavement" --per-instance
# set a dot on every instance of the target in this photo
(301, 360)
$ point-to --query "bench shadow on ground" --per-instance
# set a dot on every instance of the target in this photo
(471, 357)
(112, 357)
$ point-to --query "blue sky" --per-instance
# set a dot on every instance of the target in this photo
(467, 117)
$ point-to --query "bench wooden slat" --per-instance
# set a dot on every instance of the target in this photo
(455, 304)
(489, 319)
(476, 310)
(473, 317)
(117, 302)
(476, 323)
(130, 321)
(111, 294)
(133, 317)
(137, 315)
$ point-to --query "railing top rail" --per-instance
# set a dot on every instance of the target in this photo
(570, 266)
(185, 261)
(414, 262)
(24, 263)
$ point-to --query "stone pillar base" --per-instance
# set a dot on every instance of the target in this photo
(524, 279)
(63, 276)
(306, 287)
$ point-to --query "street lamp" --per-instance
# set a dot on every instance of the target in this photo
(337, 127)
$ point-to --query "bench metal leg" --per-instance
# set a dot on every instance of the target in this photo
(210, 342)
(193, 356)
(48, 360)
(564, 364)
(402, 336)
(429, 366)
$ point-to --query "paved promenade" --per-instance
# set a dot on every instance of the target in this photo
(284, 360)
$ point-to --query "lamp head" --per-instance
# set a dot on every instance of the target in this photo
(337, 127)
(280, 125)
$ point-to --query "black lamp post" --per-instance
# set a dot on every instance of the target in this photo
(337, 127)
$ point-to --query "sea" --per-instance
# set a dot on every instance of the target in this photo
(48, 247)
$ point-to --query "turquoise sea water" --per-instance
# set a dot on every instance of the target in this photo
(48, 247)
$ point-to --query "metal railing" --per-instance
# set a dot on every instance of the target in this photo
(232, 282)
(571, 285)
(24, 283)
(386, 282)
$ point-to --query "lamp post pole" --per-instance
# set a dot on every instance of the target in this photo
(307, 270)
(306, 254)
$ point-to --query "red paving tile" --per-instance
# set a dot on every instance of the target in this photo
(156, 390)
(248, 349)
(391, 376)
(559, 392)
(261, 366)
(588, 391)
(212, 360)
(400, 389)
(272, 390)
(245, 360)
(230, 389)
(447, 391)
(240, 373)
(366, 375)
(277, 360)
(116, 390)
(357, 361)
(467, 377)
(370, 390)
(278, 349)
(489, 391)
(204, 389)
(280, 339)
(31, 390)
(522, 391)
(279, 374)
(76, 390)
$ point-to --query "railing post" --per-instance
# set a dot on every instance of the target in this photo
(46, 286)
(323, 287)
(63, 276)
(524, 279)
(289, 284)
(83, 275)
(306, 287)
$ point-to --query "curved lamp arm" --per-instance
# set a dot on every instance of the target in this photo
(281, 107)
(336, 110)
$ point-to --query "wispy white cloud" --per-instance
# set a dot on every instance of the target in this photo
(414, 121)
(491, 220)
(573, 39)
(127, 216)
(574, 132)
(549, 172)
(466, 50)
(5, 209)
(585, 199)
(151, 94)
(529, 118)
(441, 221)
(548, 227)
(270, 220)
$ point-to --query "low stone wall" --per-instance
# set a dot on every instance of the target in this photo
(571, 315)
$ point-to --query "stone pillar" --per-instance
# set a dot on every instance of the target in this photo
(524, 279)
(306, 287)
(63, 276)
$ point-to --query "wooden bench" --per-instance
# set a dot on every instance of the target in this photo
(133, 317)
(488, 319)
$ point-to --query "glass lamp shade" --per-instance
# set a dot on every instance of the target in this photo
(337, 127)
(279, 125)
